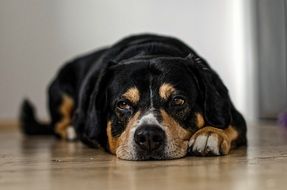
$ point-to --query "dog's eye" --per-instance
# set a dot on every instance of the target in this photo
(123, 105)
(177, 101)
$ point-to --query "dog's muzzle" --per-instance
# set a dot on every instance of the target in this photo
(149, 138)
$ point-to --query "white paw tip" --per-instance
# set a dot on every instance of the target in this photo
(212, 144)
(200, 143)
(71, 134)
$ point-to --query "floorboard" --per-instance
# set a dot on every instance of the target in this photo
(47, 163)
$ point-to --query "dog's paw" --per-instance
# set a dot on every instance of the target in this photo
(209, 141)
(67, 132)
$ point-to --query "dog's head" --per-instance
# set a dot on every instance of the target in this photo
(149, 108)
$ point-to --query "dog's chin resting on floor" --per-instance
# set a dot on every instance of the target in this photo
(145, 97)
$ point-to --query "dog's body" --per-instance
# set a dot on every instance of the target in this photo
(146, 97)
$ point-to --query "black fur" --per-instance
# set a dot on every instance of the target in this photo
(29, 123)
(216, 102)
(93, 80)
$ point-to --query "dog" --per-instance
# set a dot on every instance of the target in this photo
(146, 97)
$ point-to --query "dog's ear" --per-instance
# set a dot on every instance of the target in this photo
(90, 116)
(213, 93)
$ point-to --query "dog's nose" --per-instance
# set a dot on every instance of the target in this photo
(149, 137)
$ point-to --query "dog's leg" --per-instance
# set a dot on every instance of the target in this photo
(211, 141)
(63, 128)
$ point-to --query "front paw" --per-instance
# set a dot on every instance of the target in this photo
(209, 141)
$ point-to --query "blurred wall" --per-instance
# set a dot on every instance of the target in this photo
(38, 36)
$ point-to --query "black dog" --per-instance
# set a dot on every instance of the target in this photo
(146, 97)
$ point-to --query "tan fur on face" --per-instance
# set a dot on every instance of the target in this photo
(121, 146)
(199, 120)
(132, 95)
(113, 141)
(66, 110)
(177, 136)
(166, 90)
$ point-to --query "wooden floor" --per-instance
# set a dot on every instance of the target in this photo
(45, 163)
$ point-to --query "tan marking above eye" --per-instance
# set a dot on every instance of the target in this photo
(132, 94)
(166, 90)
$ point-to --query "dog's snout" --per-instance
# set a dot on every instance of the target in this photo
(149, 137)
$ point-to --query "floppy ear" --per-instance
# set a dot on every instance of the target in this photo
(90, 116)
(214, 95)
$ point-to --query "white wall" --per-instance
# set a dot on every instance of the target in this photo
(37, 36)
